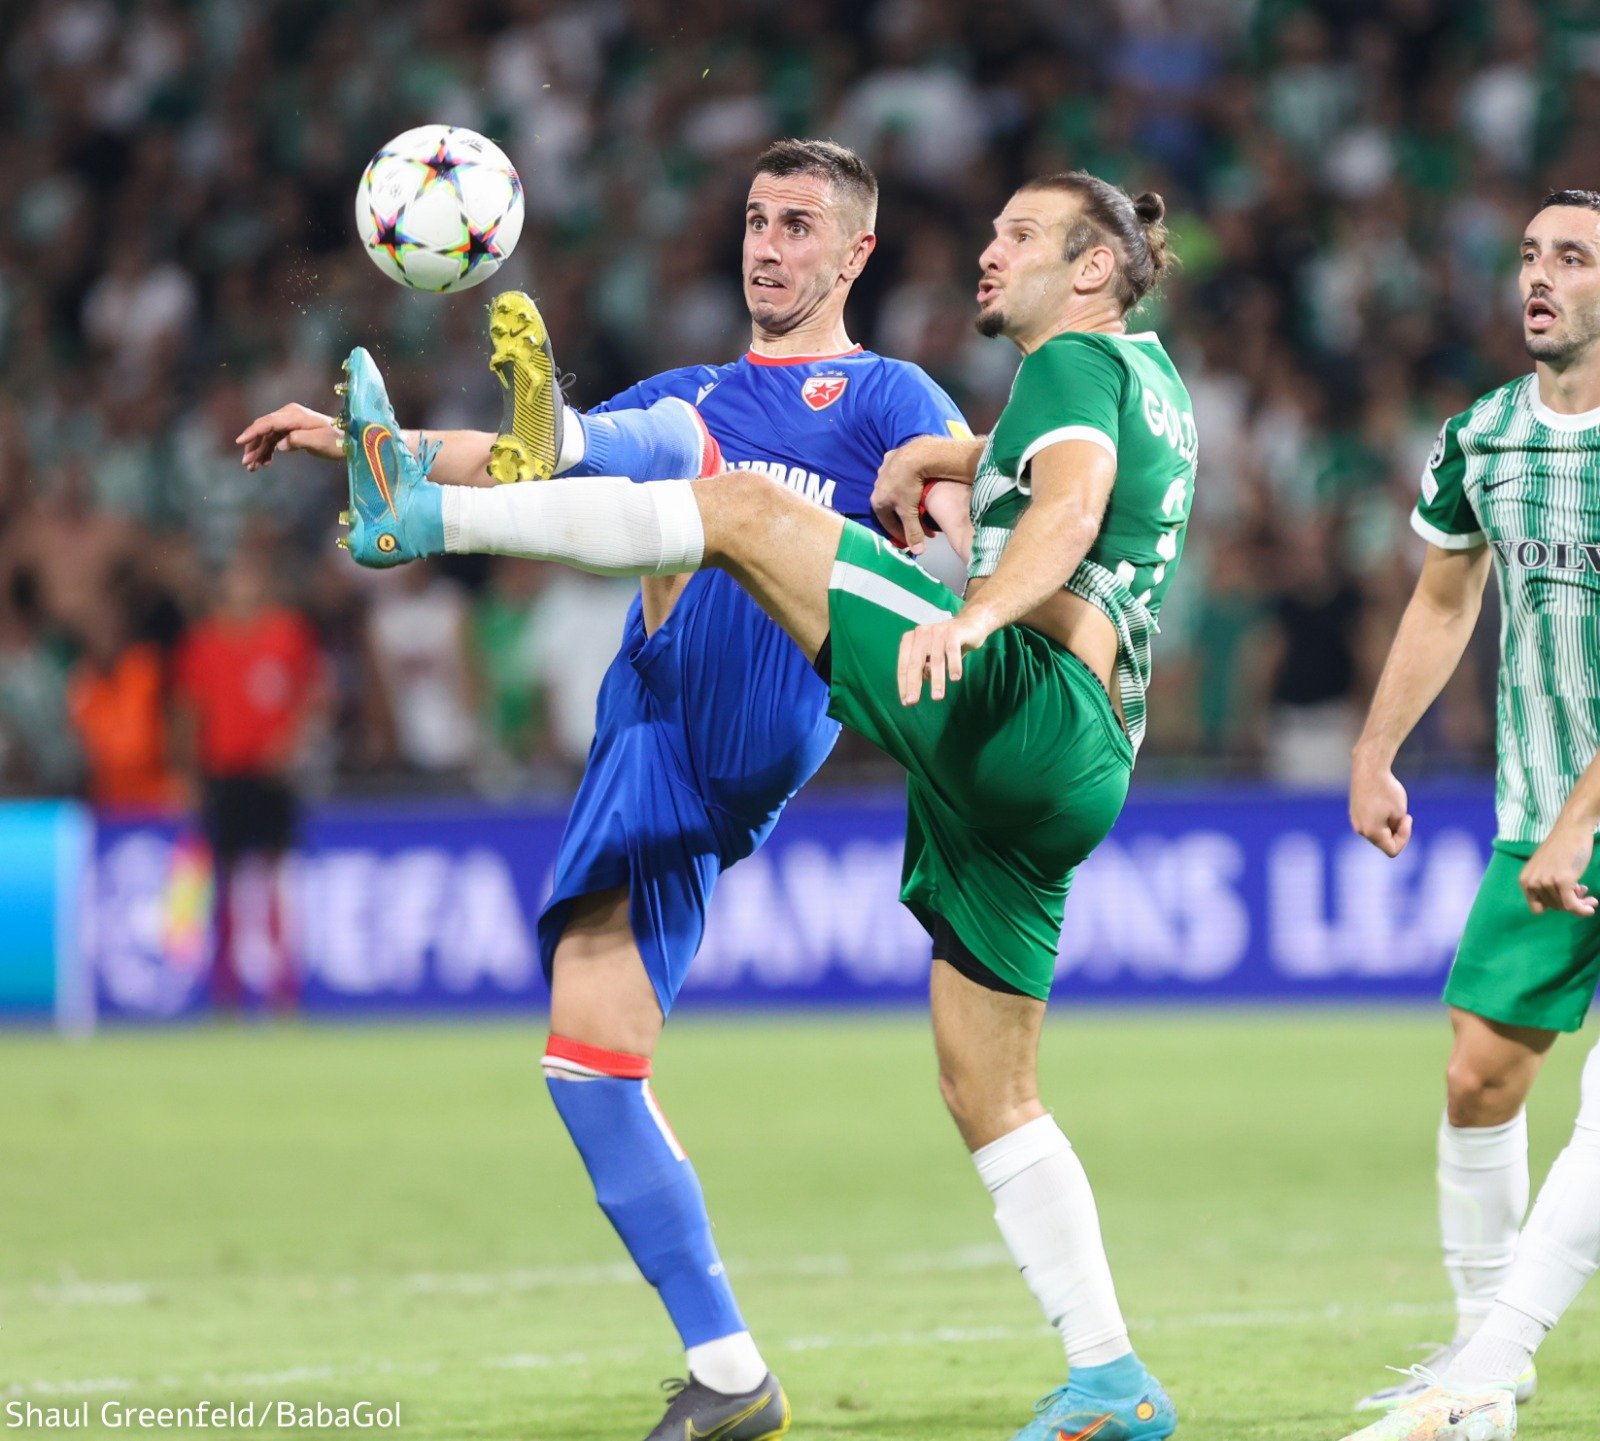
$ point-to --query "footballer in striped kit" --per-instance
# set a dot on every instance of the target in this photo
(1513, 486)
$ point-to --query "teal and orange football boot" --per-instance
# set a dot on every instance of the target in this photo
(396, 514)
(1068, 1414)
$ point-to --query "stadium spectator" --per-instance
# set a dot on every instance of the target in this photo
(117, 694)
(249, 687)
(425, 684)
(1346, 183)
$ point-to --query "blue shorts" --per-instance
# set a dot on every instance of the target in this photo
(703, 731)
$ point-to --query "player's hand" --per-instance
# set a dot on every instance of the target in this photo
(1378, 807)
(1553, 878)
(933, 653)
(290, 427)
(897, 495)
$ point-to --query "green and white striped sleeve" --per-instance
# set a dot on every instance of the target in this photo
(1443, 515)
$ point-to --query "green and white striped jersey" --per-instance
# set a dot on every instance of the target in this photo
(1513, 474)
(1121, 392)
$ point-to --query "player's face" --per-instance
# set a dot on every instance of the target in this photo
(1560, 284)
(798, 255)
(1027, 280)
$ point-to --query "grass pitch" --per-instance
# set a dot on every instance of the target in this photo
(316, 1214)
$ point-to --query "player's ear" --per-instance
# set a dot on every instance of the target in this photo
(1098, 268)
(857, 255)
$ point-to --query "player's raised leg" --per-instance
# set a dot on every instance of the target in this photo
(605, 1019)
(780, 547)
(987, 1042)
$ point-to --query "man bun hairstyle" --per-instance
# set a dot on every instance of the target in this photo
(851, 177)
(1583, 199)
(1134, 227)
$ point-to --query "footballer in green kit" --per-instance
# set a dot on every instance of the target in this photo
(1513, 486)
(1016, 711)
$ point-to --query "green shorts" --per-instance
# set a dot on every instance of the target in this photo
(1014, 777)
(1519, 968)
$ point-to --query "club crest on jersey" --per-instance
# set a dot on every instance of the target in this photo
(820, 391)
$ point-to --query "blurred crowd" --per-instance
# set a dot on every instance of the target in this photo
(1347, 180)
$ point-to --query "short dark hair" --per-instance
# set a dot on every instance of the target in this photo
(1133, 226)
(1583, 199)
(850, 175)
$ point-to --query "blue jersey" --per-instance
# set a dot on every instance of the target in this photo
(820, 427)
(706, 727)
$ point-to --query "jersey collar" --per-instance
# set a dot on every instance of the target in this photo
(1556, 419)
(756, 359)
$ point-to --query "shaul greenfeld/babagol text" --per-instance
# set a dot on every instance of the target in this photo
(204, 1415)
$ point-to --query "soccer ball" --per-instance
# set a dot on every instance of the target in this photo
(439, 208)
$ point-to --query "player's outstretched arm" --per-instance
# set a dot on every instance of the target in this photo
(1072, 482)
(463, 457)
(897, 496)
(1433, 633)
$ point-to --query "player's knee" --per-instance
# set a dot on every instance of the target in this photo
(986, 1107)
(1482, 1093)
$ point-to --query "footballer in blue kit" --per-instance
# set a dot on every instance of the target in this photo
(709, 718)
(707, 725)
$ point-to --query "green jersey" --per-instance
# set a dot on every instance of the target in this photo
(1523, 479)
(1121, 392)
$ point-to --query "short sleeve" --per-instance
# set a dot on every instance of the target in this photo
(916, 406)
(1071, 388)
(1444, 516)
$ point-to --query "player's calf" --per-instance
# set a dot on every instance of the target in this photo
(645, 1184)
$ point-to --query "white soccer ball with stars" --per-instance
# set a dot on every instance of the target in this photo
(439, 208)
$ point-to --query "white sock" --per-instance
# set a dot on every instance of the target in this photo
(1558, 1252)
(1483, 1195)
(1046, 1213)
(606, 524)
(1498, 1352)
(730, 1363)
(573, 440)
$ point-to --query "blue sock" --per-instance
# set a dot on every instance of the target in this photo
(645, 1184)
(1121, 1377)
(665, 442)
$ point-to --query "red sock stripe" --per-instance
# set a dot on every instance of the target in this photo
(618, 1064)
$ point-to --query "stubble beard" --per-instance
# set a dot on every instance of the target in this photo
(1577, 343)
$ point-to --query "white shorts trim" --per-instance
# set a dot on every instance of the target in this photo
(881, 591)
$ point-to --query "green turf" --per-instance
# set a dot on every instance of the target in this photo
(323, 1214)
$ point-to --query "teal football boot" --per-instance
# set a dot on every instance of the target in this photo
(396, 514)
(1067, 1414)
